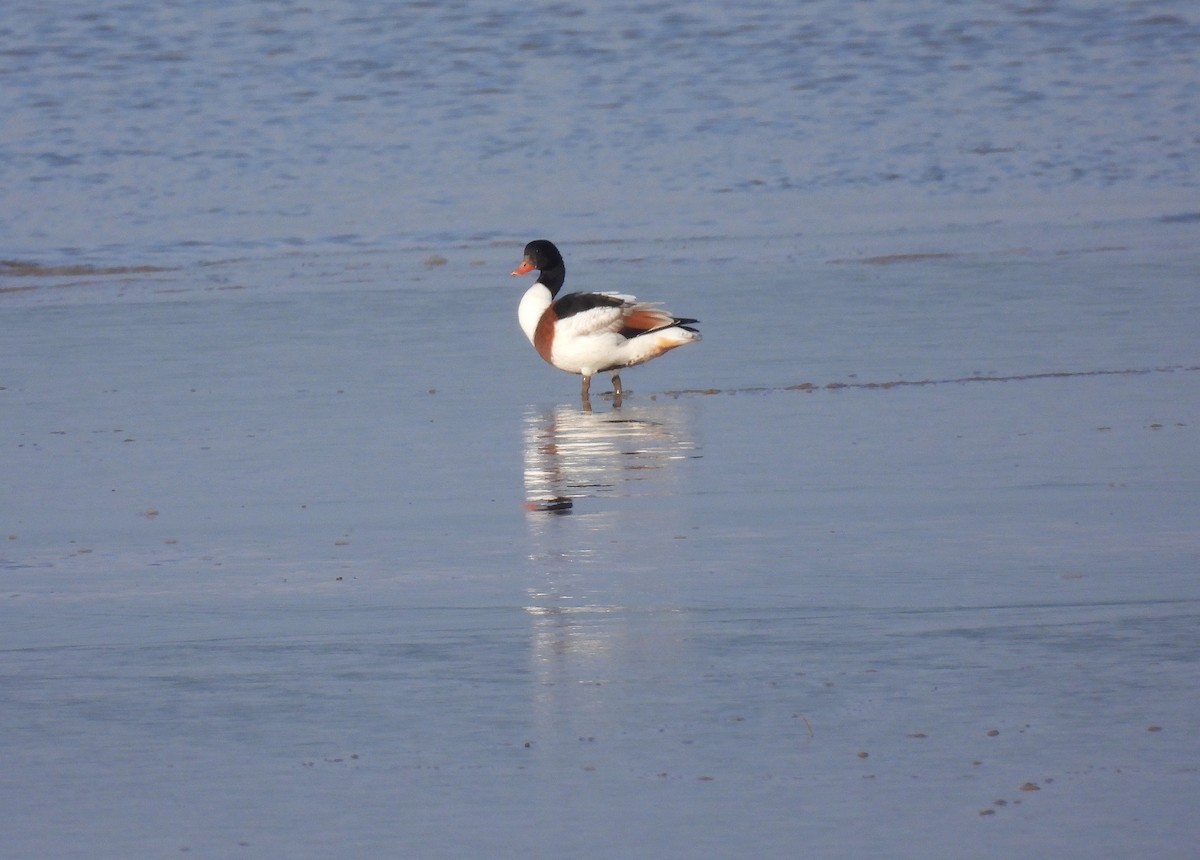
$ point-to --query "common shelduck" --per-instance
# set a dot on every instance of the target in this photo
(589, 333)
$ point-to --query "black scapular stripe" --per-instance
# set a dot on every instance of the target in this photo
(577, 303)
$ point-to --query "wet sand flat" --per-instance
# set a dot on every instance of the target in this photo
(285, 575)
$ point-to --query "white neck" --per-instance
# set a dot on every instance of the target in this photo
(533, 304)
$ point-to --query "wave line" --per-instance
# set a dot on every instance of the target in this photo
(809, 387)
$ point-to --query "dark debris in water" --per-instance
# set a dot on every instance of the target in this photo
(23, 269)
(890, 259)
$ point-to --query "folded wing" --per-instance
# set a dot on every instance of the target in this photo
(584, 314)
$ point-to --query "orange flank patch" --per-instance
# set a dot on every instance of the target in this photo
(645, 319)
(662, 344)
(543, 335)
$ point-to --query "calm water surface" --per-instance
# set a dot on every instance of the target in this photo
(307, 554)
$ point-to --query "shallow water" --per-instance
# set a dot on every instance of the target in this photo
(181, 131)
(306, 552)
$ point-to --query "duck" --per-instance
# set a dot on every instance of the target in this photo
(590, 333)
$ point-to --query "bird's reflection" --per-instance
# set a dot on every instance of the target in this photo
(600, 490)
(587, 475)
(572, 454)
